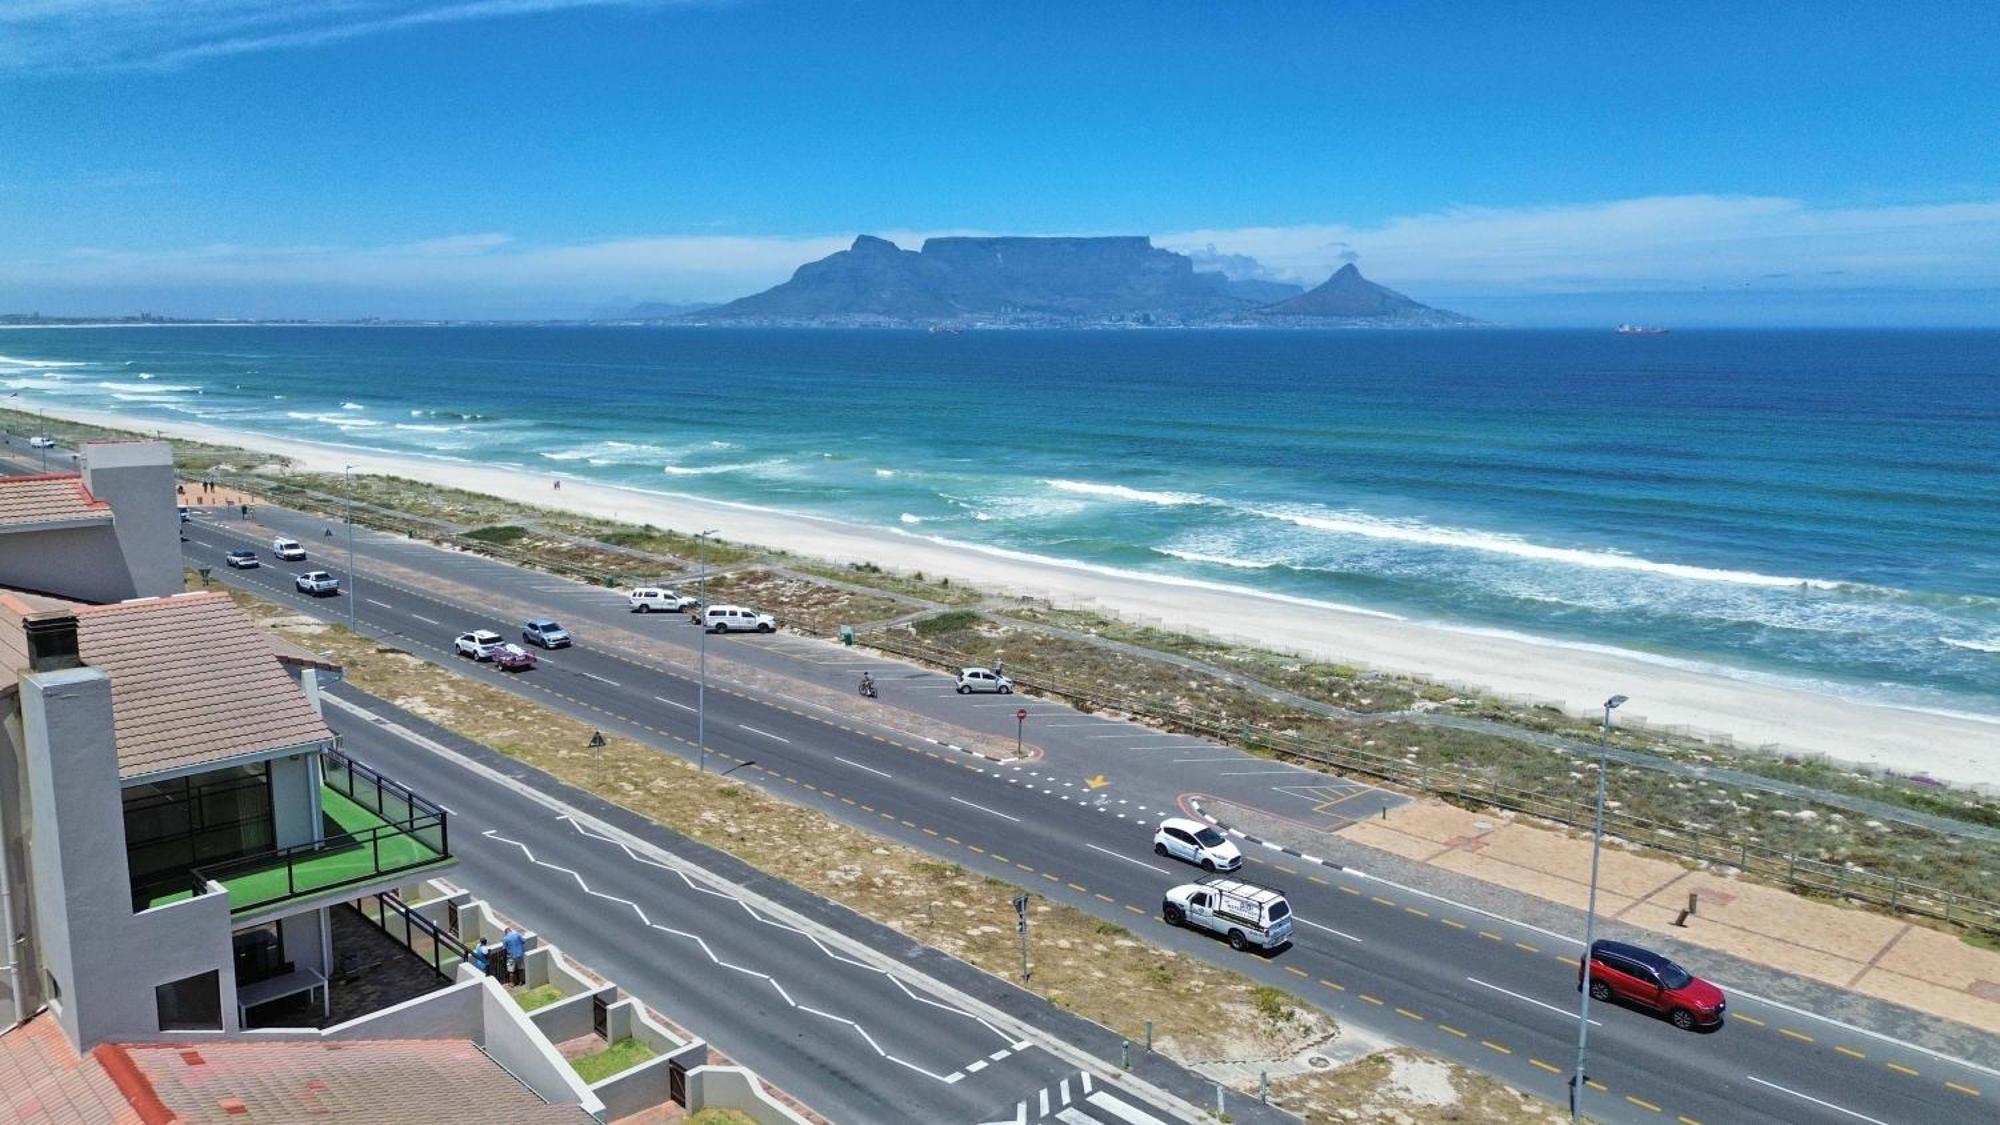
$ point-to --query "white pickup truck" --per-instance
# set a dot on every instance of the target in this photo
(1245, 913)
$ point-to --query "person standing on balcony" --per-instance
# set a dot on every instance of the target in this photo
(480, 954)
(517, 951)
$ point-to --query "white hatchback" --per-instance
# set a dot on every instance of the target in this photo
(983, 679)
(1196, 843)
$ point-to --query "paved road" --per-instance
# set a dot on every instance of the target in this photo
(836, 1031)
(1443, 977)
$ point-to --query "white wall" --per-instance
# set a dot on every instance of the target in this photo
(137, 479)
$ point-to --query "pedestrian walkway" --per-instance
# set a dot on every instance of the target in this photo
(1870, 953)
(1078, 1099)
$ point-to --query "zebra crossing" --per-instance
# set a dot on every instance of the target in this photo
(1079, 1099)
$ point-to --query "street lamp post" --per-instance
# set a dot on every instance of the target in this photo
(353, 595)
(1577, 1080)
(701, 682)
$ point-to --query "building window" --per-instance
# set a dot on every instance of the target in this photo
(172, 826)
(191, 1003)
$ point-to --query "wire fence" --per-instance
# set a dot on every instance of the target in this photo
(1463, 786)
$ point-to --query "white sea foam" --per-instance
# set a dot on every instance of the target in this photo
(885, 472)
(1972, 646)
(611, 453)
(12, 361)
(712, 470)
(908, 518)
(1216, 560)
(1121, 492)
(145, 374)
(425, 429)
(352, 406)
(1372, 527)
(147, 388)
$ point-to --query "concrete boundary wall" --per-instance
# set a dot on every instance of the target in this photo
(735, 1088)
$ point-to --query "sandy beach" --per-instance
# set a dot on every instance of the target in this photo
(1963, 749)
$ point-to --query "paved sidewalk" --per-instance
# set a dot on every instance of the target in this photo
(1870, 953)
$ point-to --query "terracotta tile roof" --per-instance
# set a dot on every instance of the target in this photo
(193, 680)
(43, 1080)
(49, 498)
(415, 1080)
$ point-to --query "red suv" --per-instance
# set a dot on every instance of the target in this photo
(1643, 977)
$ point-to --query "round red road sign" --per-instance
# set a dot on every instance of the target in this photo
(1021, 714)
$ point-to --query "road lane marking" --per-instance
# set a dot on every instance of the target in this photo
(1967, 1090)
(425, 620)
(1899, 1068)
(1370, 999)
(600, 679)
(859, 766)
(1408, 1014)
(1545, 1066)
(1450, 1030)
(1642, 1103)
(1753, 1021)
(1492, 1046)
(1799, 1035)
(1529, 999)
(1328, 929)
(372, 601)
(1850, 1052)
(671, 703)
(1816, 1101)
(1332, 985)
(984, 809)
(754, 730)
(1126, 858)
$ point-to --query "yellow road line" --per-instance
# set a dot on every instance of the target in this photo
(1685, 1120)
(1133, 909)
(1596, 1085)
(1899, 1068)
(1349, 891)
(1551, 1068)
(1383, 901)
(1489, 937)
(1642, 1103)
(1798, 1035)
(1332, 985)
(1408, 1014)
(1106, 898)
(1050, 878)
(1850, 1052)
(1370, 999)
(1492, 1046)
(1450, 1030)
(1295, 970)
(1415, 911)
(1753, 1021)
(952, 840)
(1317, 879)
(1967, 1090)
(1454, 925)
(1078, 887)
(1525, 947)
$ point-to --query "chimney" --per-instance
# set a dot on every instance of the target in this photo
(51, 641)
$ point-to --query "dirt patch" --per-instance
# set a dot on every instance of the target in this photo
(800, 604)
(1405, 1087)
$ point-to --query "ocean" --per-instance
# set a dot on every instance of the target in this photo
(1819, 508)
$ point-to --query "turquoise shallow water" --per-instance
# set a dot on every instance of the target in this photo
(1816, 506)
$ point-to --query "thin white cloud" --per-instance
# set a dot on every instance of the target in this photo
(114, 34)
(1671, 242)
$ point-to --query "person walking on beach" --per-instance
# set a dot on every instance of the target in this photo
(517, 951)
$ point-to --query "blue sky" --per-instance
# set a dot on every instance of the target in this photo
(530, 157)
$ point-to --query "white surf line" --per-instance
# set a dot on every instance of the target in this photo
(1328, 929)
(1129, 859)
(859, 766)
(425, 620)
(671, 703)
(765, 733)
(1529, 999)
(1816, 1101)
(600, 679)
(984, 809)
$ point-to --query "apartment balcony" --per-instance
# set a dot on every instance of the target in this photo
(376, 833)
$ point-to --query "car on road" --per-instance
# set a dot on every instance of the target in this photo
(318, 583)
(1621, 971)
(290, 550)
(1246, 913)
(983, 679)
(42, 441)
(647, 599)
(511, 657)
(546, 633)
(736, 619)
(479, 644)
(1196, 843)
(242, 558)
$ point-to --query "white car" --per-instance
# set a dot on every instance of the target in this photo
(983, 679)
(290, 550)
(317, 583)
(42, 441)
(480, 644)
(1196, 843)
(1245, 913)
(736, 619)
(646, 599)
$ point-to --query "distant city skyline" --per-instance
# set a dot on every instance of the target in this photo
(555, 158)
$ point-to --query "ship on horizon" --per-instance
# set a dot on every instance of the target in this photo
(1641, 330)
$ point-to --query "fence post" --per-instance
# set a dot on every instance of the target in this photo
(1895, 891)
(1792, 868)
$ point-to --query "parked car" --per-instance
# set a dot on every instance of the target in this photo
(983, 679)
(511, 657)
(646, 599)
(1649, 980)
(1197, 843)
(317, 583)
(736, 619)
(545, 633)
(42, 441)
(290, 550)
(242, 558)
(1245, 913)
(480, 644)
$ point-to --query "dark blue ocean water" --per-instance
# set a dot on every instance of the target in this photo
(1820, 506)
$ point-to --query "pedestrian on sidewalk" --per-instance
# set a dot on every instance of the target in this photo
(517, 952)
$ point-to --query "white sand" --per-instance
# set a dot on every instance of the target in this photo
(1964, 749)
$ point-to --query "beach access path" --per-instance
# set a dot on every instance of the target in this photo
(1958, 748)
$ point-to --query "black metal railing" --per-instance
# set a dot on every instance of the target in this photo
(1784, 867)
(434, 943)
(387, 799)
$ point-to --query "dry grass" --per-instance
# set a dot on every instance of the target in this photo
(800, 604)
(1408, 1088)
(1096, 969)
(940, 591)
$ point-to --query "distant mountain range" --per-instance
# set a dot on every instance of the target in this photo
(1058, 282)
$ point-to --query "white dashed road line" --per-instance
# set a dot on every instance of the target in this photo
(765, 733)
(859, 766)
(984, 809)
(1129, 859)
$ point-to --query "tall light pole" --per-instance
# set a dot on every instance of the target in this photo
(353, 596)
(701, 683)
(1576, 1081)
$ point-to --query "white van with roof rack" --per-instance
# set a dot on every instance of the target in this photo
(1248, 914)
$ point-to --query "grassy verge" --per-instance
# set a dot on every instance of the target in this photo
(719, 1116)
(1408, 1088)
(540, 996)
(1095, 968)
(191, 457)
(1682, 807)
(617, 1058)
(943, 591)
(799, 604)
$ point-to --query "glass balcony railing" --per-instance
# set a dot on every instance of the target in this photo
(372, 828)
